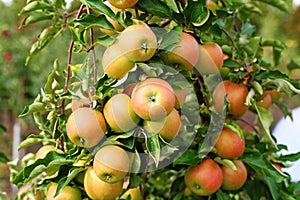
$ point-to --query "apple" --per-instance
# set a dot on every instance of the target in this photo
(277, 166)
(211, 5)
(153, 99)
(85, 127)
(265, 100)
(95, 188)
(211, 58)
(123, 4)
(276, 95)
(185, 55)
(128, 89)
(133, 193)
(229, 144)
(205, 178)
(234, 179)
(235, 95)
(111, 164)
(119, 113)
(167, 128)
(138, 42)
(180, 95)
(114, 62)
(67, 193)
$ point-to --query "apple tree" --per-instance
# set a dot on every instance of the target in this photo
(159, 106)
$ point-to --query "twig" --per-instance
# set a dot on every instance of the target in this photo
(93, 50)
(136, 9)
(230, 38)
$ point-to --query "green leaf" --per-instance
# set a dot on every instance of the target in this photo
(222, 195)
(293, 65)
(153, 147)
(91, 20)
(265, 118)
(66, 180)
(290, 157)
(280, 4)
(36, 5)
(247, 29)
(172, 5)
(100, 6)
(169, 38)
(3, 158)
(155, 7)
(282, 85)
(189, 157)
(231, 63)
(273, 187)
(3, 130)
(29, 141)
(36, 17)
(270, 75)
(196, 13)
(105, 40)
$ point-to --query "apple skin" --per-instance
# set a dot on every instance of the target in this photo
(229, 144)
(83, 101)
(265, 100)
(167, 128)
(128, 89)
(235, 95)
(68, 193)
(133, 193)
(138, 42)
(205, 178)
(114, 62)
(119, 113)
(86, 127)
(234, 180)
(95, 188)
(123, 4)
(185, 55)
(211, 58)
(111, 164)
(153, 99)
(211, 5)
(180, 94)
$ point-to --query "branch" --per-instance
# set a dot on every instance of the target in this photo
(93, 50)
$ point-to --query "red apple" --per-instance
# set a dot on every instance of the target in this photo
(234, 179)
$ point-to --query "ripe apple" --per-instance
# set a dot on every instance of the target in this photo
(128, 89)
(235, 95)
(115, 63)
(167, 128)
(234, 180)
(211, 58)
(153, 99)
(119, 113)
(185, 55)
(277, 166)
(95, 188)
(229, 144)
(85, 127)
(138, 42)
(133, 193)
(111, 164)
(265, 100)
(67, 193)
(205, 178)
(180, 95)
(123, 4)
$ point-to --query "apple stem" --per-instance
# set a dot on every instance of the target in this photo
(107, 177)
(144, 46)
(82, 141)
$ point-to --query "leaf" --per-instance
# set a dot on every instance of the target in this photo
(196, 13)
(283, 85)
(100, 6)
(247, 29)
(199, 20)
(265, 118)
(280, 4)
(172, 5)
(155, 7)
(3, 130)
(3, 158)
(290, 157)
(168, 39)
(273, 187)
(222, 195)
(91, 20)
(66, 180)
(153, 147)
(29, 141)
(36, 17)
(293, 65)
(35, 5)
(189, 157)
(270, 75)
(231, 64)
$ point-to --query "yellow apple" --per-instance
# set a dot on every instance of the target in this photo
(123, 4)
(133, 193)
(95, 188)
(117, 26)
(167, 128)
(119, 113)
(67, 193)
(138, 42)
(111, 164)
(86, 127)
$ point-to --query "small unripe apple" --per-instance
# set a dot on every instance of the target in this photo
(211, 58)
(85, 127)
(111, 164)
(234, 179)
(229, 144)
(138, 42)
(119, 113)
(185, 55)
(234, 94)
(205, 178)
(153, 99)
(167, 128)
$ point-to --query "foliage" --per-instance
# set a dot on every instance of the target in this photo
(229, 26)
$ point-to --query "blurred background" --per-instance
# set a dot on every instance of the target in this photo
(19, 84)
